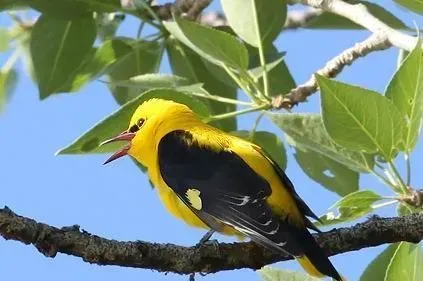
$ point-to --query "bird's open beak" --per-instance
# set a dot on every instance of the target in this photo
(124, 136)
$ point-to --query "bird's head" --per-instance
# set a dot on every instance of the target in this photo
(151, 120)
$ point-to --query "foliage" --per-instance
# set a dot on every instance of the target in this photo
(359, 131)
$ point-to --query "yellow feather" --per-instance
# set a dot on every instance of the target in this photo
(162, 117)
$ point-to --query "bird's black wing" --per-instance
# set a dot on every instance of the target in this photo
(227, 188)
(302, 206)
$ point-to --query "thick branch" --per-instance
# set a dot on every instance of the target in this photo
(294, 19)
(332, 68)
(359, 14)
(50, 240)
(191, 8)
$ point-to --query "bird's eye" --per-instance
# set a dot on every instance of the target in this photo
(134, 128)
(140, 122)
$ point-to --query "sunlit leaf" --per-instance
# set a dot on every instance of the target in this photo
(58, 49)
(413, 5)
(214, 45)
(185, 63)
(256, 22)
(406, 263)
(404, 209)
(406, 92)
(4, 39)
(8, 80)
(351, 207)
(376, 270)
(268, 273)
(360, 119)
(306, 131)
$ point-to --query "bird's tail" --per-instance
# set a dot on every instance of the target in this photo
(314, 260)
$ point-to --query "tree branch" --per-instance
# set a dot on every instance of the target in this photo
(294, 19)
(191, 8)
(359, 14)
(208, 258)
(332, 68)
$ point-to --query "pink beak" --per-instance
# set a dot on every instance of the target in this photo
(124, 136)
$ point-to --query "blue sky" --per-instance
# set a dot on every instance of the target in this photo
(115, 201)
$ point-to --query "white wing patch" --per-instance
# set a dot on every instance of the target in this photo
(193, 196)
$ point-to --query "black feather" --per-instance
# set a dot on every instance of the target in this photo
(233, 193)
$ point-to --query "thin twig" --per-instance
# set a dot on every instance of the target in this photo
(332, 69)
(301, 18)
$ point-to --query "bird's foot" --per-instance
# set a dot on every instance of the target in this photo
(206, 238)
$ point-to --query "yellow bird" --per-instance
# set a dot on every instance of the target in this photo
(217, 181)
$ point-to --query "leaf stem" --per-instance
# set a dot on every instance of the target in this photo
(264, 69)
(397, 175)
(247, 76)
(239, 82)
(239, 112)
(384, 204)
(383, 179)
(146, 6)
(11, 61)
(408, 168)
(222, 99)
(140, 28)
(261, 54)
(256, 123)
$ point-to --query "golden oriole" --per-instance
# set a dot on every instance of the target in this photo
(217, 181)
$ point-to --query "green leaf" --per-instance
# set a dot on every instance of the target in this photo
(406, 263)
(214, 45)
(269, 142)
(404, 209)
(360, 119)
(376, 270)
(268, 273)
(4, 39)
(306, 132)
(329, 173)
(413, 5)
(256, 22)
(219, 73)
(331, 21)
(71, 9)
(406, 92)
(185, 63)
(140, 58)
(152, 80)
(280, 79)
(96, 64)
(11, 4)
(351, 207)
(8, 81)
(118, 121)
(108, 24)
(58, 49)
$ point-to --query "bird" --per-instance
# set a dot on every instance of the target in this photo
(220, 182)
